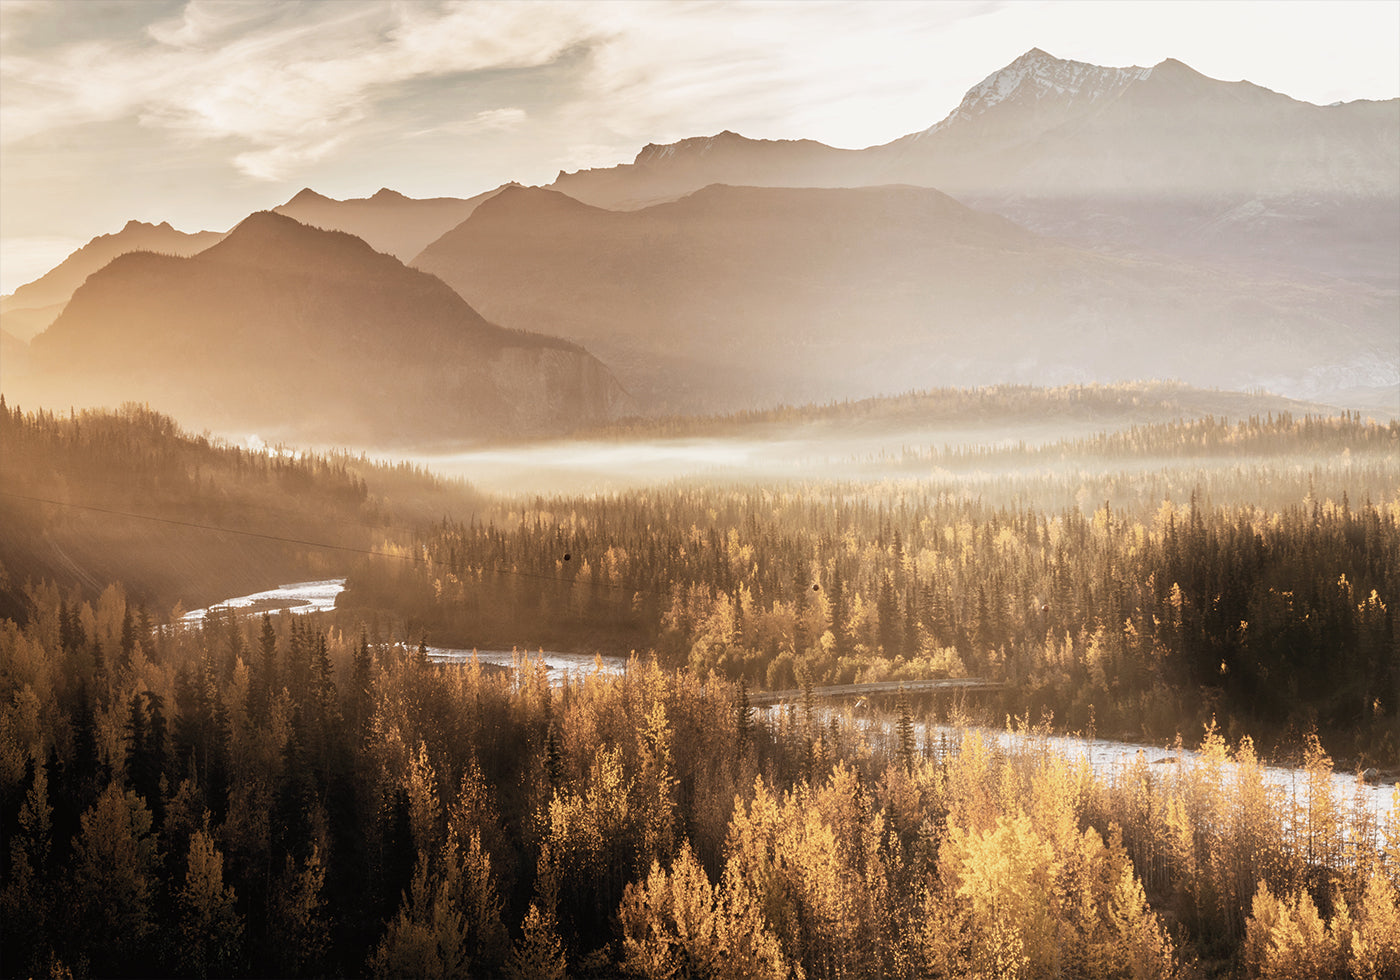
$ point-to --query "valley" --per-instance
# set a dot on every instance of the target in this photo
(973, 554)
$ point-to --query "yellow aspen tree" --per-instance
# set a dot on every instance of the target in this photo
(210, 928)
(539, 954)
(1375, 939)
(1006, 876)
(484, 934)
(114, 860)
(744, 933)
(428, 936)
(425, 811)
(1251, 840)
(656, 780)
(300, 931)
(670, 923)
(1286, 939)
(1322, 820)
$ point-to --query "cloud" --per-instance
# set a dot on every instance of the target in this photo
(276, 88)
(662, 71)
(277, 162)
(486, 121)
(203, 24)
(291, 86)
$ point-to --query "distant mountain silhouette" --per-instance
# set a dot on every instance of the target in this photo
(388, 221)
(297, 332)
(33, 306)
(737, 296)
(14, 355)
(1159, 158)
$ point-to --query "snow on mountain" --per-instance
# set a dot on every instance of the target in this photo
(1036, 76)
(699, 145)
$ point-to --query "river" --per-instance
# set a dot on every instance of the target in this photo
(1107, 757)
(310, 597)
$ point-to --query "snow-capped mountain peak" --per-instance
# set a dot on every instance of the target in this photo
(1036, 76)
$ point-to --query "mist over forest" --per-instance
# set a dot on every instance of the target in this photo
(987, 544)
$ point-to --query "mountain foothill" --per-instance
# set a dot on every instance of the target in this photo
(302, 332)
(1065, 223)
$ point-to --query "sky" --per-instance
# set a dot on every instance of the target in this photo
(199, 112)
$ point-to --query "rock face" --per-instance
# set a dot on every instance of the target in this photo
(1160, 158)
(733, 297)
(301, 333)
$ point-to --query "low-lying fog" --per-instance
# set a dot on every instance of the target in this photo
(816, 452)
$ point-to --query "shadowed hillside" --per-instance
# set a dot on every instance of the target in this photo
(284, 329)
(737, 297)
(32, 307)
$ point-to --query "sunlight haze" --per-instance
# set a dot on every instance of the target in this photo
(111, 111)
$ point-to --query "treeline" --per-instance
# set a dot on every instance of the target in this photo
(67, 482)
(1268, 620)
(1280, 436)
(1156, 401)
(270, 797)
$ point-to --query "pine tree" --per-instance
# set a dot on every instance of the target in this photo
(743, 716)
(905, 728)
(210, 930)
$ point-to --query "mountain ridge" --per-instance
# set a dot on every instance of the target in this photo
(294, 330)
(31, 307)
(1153, 160)
(389, 221)
(735, 297)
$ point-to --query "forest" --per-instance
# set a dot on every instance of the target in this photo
(94, 497)
(261, 797)
(1142, 622)
(284, 795)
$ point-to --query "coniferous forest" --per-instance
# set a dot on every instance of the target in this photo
(284, 795)
(701, 490)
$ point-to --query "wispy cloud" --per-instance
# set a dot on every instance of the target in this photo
(486, 121)
(288, 88)
(285, 85)
(203, 106)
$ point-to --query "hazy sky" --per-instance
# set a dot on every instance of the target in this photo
(201, 111)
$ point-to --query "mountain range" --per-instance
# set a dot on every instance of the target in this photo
(302, 333)
(734, 296)
(1064, 223)
(32, 307)
(388, 221)
(1157, 159)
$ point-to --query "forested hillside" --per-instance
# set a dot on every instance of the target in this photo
(300, 796)
(93, 497)
(1141, 601)
(277, 797)
(1008, 405)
